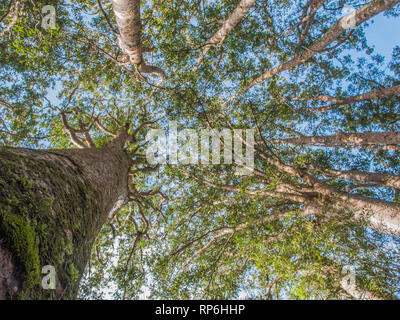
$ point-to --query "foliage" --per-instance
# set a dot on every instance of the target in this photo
(155, 248)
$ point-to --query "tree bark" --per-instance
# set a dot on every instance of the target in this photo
(219, 37)
(358, 294)
(53, 204)
(375, 140)
(127, 14)
(339, 102)
(330, 270)
(382, 216)
(380, 179)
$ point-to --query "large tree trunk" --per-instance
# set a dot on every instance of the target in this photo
(53, 204)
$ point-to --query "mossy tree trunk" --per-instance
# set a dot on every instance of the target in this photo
(53, 204)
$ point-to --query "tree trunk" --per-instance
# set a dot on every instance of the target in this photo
(382, 216)
(53, 204)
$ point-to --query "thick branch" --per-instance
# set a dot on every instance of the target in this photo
(363, 14)
(127, 13)
(382, 216)
(6, 104)
(17, 7)
(338, 102)
(72, 133)
(381, 179)
(121, 138)
(379, 140)
(232, 230)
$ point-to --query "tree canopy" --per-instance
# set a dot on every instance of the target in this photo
(322, 202)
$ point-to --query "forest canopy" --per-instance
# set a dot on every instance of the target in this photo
(299, 198)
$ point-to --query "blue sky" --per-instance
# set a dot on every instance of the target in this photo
(384, 34)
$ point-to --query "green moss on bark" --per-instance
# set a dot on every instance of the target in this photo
(22, 240)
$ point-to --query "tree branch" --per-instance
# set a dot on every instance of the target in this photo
(219, 37)
(127, 13)
(363, 14)
(339, 102)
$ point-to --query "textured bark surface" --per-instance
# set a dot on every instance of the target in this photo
(219, 37)
(382, 216)
(62, 197)
(352, 290)
(127, 14)
(364, 13)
